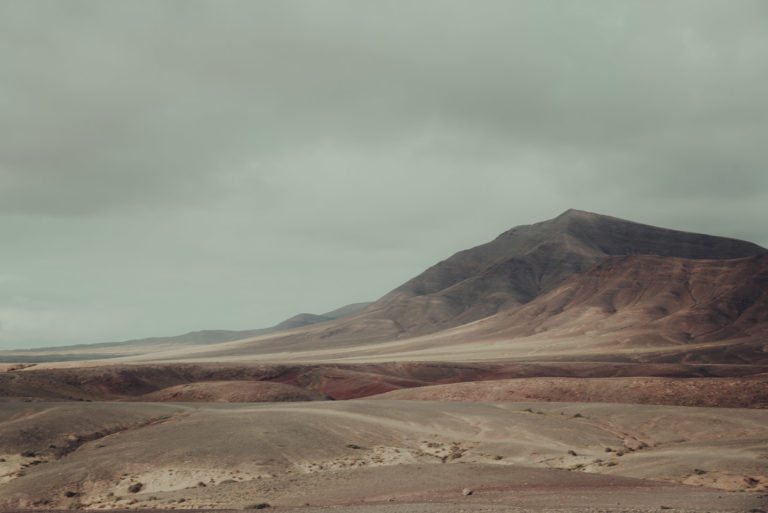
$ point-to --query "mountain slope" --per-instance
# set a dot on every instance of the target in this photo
(646, 307)
(633, 309)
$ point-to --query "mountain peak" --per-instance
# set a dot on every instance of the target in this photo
(573, 212)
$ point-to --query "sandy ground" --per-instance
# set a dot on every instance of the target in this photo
(719, 392)
(374, 455)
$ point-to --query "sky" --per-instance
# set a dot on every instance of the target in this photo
(182, 165)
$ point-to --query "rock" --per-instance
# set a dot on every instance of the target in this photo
(466, 491)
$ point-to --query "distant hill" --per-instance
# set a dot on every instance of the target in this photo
(194, 338)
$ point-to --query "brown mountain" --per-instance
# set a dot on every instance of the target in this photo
(501, 276)
(644, 307)
(512, 286)
(525, 261)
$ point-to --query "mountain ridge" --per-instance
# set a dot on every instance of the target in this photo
(495, 280)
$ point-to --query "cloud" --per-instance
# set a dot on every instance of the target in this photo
(311, 140)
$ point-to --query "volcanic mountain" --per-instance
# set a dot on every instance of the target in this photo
(525, 261)
(511, 288)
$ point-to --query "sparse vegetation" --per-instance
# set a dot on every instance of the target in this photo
(577, 416)
(258, 505)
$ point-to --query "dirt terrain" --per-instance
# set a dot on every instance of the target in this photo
(350, 453)
(683, 384)
(712, 392)
(584, 363)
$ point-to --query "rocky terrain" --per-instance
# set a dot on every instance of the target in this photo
(382, 453)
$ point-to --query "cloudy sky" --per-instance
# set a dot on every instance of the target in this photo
(180, 165)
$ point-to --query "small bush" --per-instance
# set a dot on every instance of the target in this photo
(699, 472)
(572, 452)
(259, 505)
(353, 446)
(135, 488)
(578, 416)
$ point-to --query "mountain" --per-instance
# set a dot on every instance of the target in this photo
(526, 261)
(644, 308)
(494, 284)
(556, 287)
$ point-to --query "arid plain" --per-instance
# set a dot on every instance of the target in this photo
(584, 363)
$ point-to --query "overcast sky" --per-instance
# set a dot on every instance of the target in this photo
(182, 165)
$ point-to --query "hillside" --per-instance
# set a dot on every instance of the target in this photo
(579, 285)
(526, 261)
(501, 284)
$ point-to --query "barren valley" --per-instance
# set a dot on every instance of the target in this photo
(584, 363)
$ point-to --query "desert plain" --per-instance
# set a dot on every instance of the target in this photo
(583, 364)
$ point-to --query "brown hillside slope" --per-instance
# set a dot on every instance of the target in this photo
(525, 261)
(649, 301)
(625, 308)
